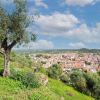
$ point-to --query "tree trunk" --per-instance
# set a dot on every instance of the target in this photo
(6, 63)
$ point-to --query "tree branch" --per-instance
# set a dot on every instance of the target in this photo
(13, 43)
(4, 44)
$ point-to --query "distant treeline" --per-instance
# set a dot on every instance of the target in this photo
(55, 51)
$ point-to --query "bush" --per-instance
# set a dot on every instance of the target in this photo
(28, 79)
(21, 61)
(16, 74)
(54, 71)
(90, 82)
(78, 81)
(93, 84)
(96, 91)
(65, 78)
(43, 70)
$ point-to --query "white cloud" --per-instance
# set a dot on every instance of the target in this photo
(40, 44)
(40, 3)
(77, 45)
(85, 33)
(57, 23)
(67, 25)
(81, 3)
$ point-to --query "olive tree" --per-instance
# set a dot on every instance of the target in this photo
(13, 26)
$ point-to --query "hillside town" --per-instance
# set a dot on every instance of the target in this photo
(88, 62)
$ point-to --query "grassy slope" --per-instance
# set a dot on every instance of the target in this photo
(56, 90)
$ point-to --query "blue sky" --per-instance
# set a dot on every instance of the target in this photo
(64, 24)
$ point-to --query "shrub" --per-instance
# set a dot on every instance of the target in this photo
(21, 61)
(28, 79)
(65, 78)
(43, 70)
(96, 90)
(37, 66)
(90, 81)
(93, 84)
(16, 74)
(54, 71)
(78, 81)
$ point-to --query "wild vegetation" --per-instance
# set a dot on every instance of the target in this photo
(25, 79)
(24, 84)
(87, 83)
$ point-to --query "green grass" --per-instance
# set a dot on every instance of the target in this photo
(55, 90)
(9, 87)
(66, 91)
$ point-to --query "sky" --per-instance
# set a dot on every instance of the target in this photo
(63, 24)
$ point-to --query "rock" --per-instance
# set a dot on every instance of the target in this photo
(70, 94)
(43, 79)
(62, 98)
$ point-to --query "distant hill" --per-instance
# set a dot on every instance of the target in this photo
(83, 50)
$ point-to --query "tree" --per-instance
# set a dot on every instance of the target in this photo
(13, 30)
(79, 81)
